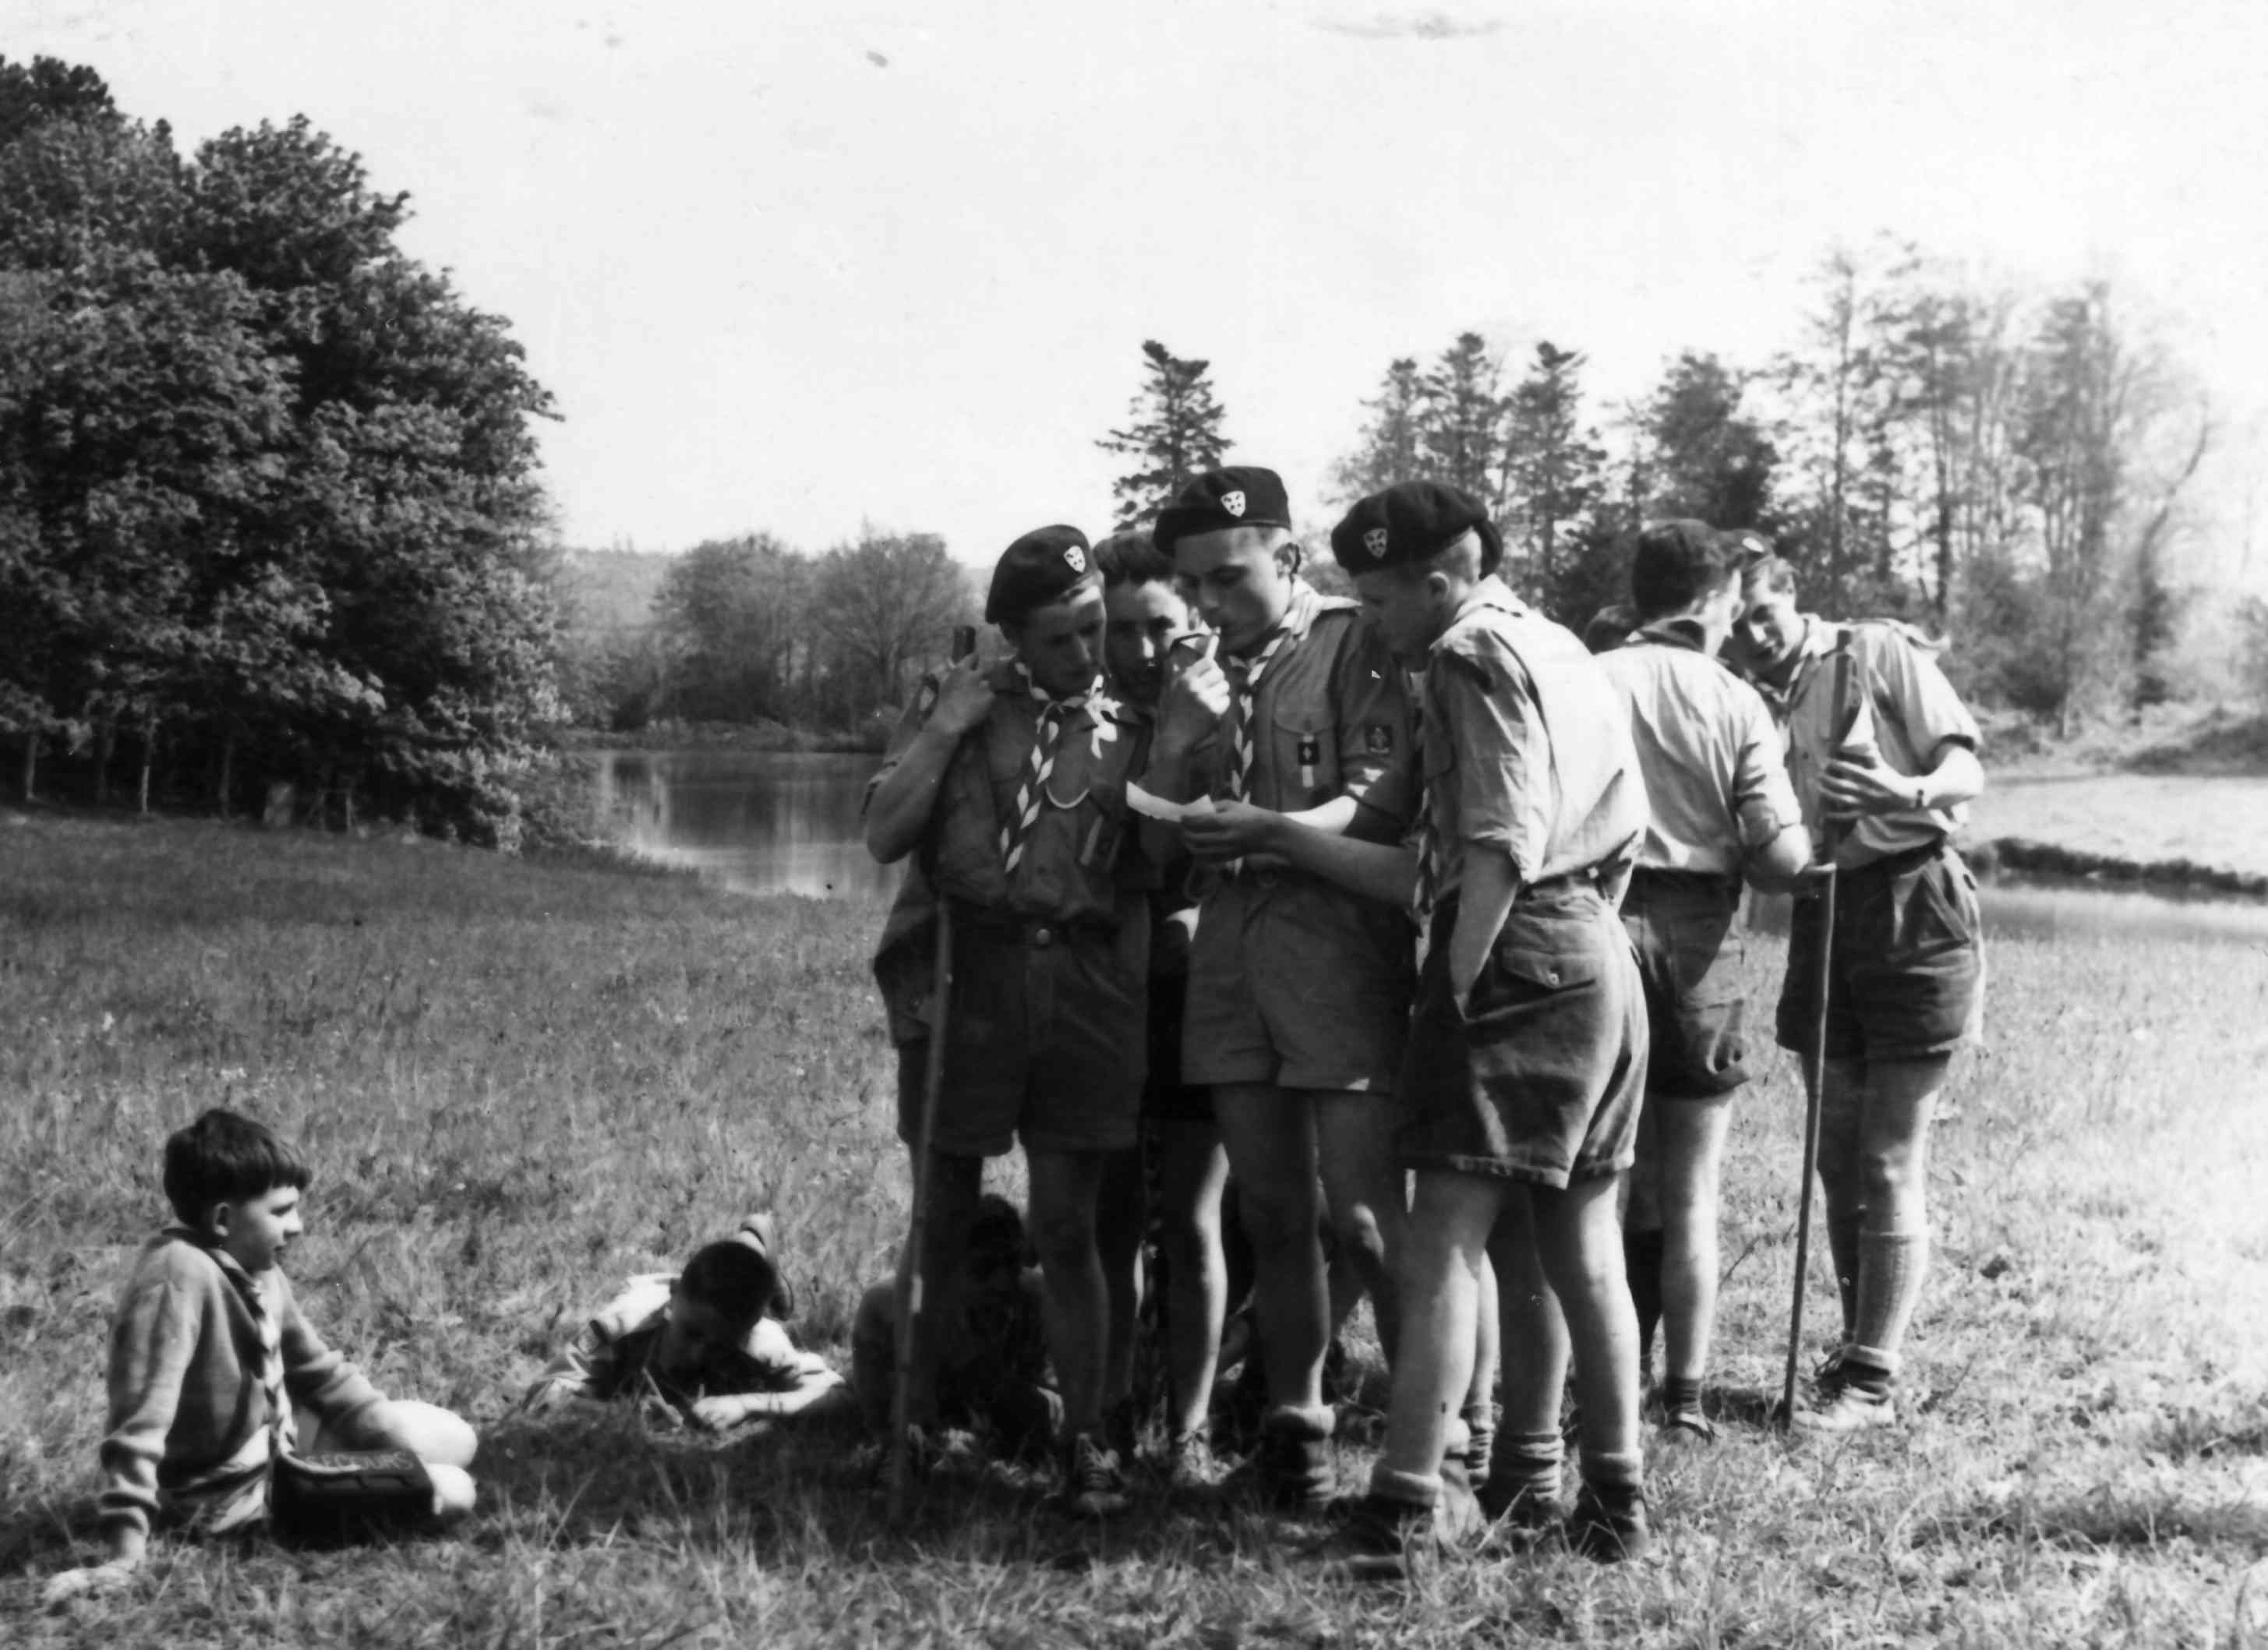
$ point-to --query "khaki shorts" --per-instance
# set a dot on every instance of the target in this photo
(1906, 973)
(1045, 1042)
(1296, 985)
(1696, 1012)
(1544, 1080)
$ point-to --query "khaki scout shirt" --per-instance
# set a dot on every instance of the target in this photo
(1526, 748)
(1073, 870)
(1331, 717)
(1906, 709)
(1706, 748)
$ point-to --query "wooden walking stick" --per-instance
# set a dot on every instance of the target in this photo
(964, 644)
(1842, 716)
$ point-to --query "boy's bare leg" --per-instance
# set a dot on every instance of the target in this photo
(1192, 1171)
(1122, 1215)
(1065, 1186)
(1535, 1379)
(1692, 1140)
(1444, 1256)
(1365, 1191)
(1488, 1346)
(1893, 1171)
(1578, 1241)
(1269, 1134)
(956, 1185)
(1842, 1111)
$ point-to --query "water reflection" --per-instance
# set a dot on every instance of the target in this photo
(776, 823)
(758, 821)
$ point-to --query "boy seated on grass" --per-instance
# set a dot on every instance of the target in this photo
(706, 1344)
(215, 1376)
(992, 1362)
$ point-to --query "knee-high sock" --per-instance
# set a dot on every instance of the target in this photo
(1843, 1251)
(1891, 1267)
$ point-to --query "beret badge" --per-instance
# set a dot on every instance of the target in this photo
(1374, 542)
(1234, 502)
(1076, 557)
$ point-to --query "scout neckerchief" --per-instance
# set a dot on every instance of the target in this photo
(1031, 794)
(283, 1432)
(1244, 684)
(1427, 887)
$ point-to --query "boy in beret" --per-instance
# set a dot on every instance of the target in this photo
(1006, 785)
(1905, 962)
(1299, 989)
(1519, 1093)
(1720, 804)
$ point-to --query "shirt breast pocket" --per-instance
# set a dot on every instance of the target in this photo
(1082, 818)
(1307, 757)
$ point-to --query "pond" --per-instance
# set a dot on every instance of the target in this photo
(783, 823)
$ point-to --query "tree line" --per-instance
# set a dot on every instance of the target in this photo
(269, 503)
(748, 629)
(2013, 467)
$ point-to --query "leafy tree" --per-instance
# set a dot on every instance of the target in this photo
(1172, 432)
(264, 479)
(885, 606)
(49, 89)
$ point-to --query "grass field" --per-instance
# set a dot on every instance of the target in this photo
(520, 1082)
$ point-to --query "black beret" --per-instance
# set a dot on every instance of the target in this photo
(1043, 566)
(1242, 495)
(1409, 522)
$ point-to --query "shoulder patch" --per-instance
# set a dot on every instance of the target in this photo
(1378, 739)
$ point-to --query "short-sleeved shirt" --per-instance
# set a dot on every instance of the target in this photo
(1526, 748)
(612, 1355)
(1074, 870)
(1706, 748)
(1330, 717)
(1905, 707)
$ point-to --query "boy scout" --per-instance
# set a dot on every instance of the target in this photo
(1906, 965)
(1011, 783)
(1298, 990)
(1520, 1094)
(1146, 622)
(1718, 802)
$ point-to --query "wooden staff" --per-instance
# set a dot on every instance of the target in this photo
(964, 644)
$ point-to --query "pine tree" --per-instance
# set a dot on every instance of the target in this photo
(1173, 431)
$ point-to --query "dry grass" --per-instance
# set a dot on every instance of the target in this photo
(520, 1082)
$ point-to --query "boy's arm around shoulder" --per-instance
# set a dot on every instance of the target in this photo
(153, 1340)
(319, 1376)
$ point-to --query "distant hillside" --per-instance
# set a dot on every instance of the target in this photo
(610, 593)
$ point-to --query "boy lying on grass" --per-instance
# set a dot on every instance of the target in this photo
(209, 1357)
(706, 1344)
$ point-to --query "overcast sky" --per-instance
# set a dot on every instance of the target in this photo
(796, 267)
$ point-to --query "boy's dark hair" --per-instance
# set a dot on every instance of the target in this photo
(1132, 558)
(997, 1232)
(224, 1158)
(735, 1278)
(1677, 563)
(1773, 573)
